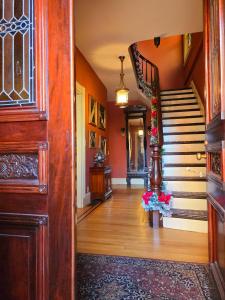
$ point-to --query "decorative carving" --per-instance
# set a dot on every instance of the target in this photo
(19, 166)
(216, 163)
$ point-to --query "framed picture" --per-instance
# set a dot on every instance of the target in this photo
(102, 144)
(92, 139)
(101, 117)
(92, 111)
(187, 40)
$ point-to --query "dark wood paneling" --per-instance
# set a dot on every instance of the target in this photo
(23, 254)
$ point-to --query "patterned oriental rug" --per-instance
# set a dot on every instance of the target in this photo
(122, 278)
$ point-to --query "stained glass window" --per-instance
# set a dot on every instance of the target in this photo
(16, 52)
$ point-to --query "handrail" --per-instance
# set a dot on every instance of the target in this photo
(147, 77)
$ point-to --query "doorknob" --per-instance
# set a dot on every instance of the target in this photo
(199, 156)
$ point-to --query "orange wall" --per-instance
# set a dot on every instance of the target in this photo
(86, 76)
(169, 59)
(117, 142)
(194, 68)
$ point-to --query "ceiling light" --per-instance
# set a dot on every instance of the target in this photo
(122, 92)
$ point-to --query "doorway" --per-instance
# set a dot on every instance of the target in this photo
(82, 198)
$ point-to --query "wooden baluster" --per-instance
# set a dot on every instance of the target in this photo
(156, 175)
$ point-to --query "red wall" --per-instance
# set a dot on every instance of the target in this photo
(86, 76)
(194, 68)
(169, 59)
(117, 142)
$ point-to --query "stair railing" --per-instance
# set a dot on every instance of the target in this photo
(147, 77)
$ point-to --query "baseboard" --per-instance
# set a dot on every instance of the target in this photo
(124, 181)
(198, 98)
(87, 199)
(218, 279)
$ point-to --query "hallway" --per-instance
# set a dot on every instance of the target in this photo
(120, 227)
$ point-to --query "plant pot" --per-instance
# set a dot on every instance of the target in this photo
(155, 219)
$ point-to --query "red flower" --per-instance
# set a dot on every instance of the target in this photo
(154, 113)
(154, 101)
(146, 196)
(164, 198)
(154, 131)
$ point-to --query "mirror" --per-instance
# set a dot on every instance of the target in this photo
(136, 143)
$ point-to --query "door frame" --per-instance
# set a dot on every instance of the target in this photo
(82, 198)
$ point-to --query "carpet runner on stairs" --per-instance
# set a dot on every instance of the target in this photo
(184, 175)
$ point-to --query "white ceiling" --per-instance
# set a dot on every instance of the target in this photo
(106, 28)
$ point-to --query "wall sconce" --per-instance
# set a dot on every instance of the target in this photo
(122, 131)
(157, 41)
(122, 92)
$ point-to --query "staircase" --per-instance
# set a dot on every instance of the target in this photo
(183, 174)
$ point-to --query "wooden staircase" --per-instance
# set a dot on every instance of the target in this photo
(184, 175)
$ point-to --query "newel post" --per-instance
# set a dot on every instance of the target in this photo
(156, 174)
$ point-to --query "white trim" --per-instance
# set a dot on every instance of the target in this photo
(199, 100)
(123, 181)
(87, 199)
(81, 145)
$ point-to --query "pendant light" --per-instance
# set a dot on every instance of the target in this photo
(122, 92)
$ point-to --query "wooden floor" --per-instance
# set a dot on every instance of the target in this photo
(119, 227)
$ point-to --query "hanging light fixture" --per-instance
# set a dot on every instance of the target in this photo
(122, 92)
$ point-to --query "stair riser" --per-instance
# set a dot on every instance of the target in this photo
(175, 102)
(179, 107)
(184, 148)
(183, 129)
(184, 186)
(179, 159)
(184, 137)
(176, 92)
(185, 171)
(181, 114)
(178, 96)
(185, 224)
(183, 121)
(185, 203)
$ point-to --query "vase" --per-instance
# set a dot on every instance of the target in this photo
(155, 219)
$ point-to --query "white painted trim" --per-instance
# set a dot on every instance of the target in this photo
(87, 199)
(81, 145)
(199, 100)
(123, 181)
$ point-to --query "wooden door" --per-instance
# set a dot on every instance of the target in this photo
(36, 150)
(215, 135)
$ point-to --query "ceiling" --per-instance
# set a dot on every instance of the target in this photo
(106, 28)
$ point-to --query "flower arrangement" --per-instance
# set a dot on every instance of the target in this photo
(99, 158)
(162, 202)
(154, 121)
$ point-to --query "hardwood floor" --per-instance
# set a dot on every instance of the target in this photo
(120, 227)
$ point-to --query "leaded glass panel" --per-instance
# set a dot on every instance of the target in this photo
(16, 52)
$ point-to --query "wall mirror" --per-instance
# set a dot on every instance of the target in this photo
(136, 143)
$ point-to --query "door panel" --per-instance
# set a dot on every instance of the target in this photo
(36, 150)
(215, 136)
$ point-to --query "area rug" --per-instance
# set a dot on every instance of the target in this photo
(122, 278)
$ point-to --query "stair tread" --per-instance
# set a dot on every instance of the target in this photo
(184, 132)
(190, 195)
(184, 165)
(201, 215)
(184, 142)
(181, 110)
(182, 117)
(178, 104)
(183, 124)
(184, 178)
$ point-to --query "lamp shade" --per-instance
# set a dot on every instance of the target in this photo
(122, 97)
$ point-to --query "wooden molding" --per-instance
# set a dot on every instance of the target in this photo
(218, 279)
(23, 219)
(19, 184)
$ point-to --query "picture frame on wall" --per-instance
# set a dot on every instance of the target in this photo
(187, 42)
(101, 117)
(92, 139)
(103, 144)
(92, 111)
